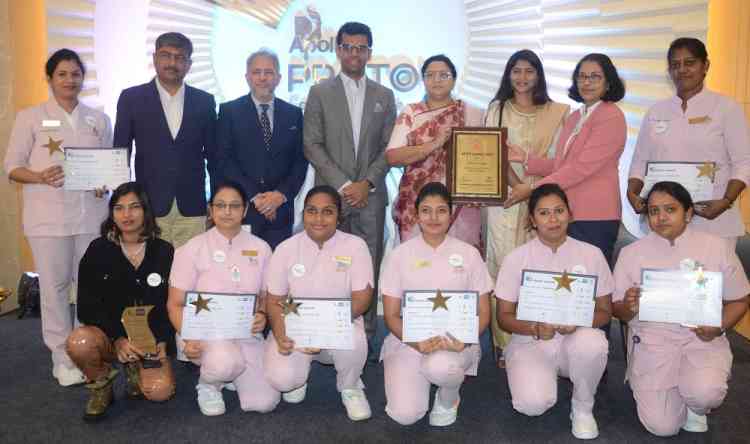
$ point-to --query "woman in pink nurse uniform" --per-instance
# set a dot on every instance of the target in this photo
(431, 261)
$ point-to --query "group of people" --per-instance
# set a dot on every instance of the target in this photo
(146, 243)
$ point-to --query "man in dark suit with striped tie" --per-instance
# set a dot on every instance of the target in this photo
(259, 145)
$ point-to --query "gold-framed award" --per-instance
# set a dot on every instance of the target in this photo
(477, 170)
(135, 321)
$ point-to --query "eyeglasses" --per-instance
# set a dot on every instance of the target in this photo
(263, 72)
(593, 78)
(350, 49)
(165, 56)
(438, 75)
(234, 206)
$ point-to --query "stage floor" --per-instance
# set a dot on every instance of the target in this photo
(35, 409)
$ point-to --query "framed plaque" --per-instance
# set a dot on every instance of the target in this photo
(477, 170)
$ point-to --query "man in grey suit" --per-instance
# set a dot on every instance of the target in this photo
(347, 124)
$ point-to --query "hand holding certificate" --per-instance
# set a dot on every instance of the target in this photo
(93, 168)
(429, 313)
(557, 298)
(697, 177)
(319, 323)
(687, 297)
(217, 316)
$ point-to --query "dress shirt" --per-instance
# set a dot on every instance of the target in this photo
(258, 103)
(173, 106)
(355, 98)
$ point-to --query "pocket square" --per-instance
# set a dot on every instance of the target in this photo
(294, 128)
(378, 107)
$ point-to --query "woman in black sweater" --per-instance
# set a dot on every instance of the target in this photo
(128, 266)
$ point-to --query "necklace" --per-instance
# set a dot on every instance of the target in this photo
(134, 255)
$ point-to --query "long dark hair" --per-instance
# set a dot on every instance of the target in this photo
(150, 229)
(505, 91)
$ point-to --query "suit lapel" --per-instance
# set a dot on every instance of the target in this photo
(366, 110)
(156, 105)
(187, 106)
(278, 125)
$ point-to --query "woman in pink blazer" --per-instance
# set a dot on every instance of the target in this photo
(586, 156)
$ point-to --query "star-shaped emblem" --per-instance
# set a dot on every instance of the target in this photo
(201, 304)
(564, 281)
(439, 301)
(289, 306)
(53, 145)
(707, 169)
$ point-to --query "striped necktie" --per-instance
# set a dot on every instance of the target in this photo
(265, 122)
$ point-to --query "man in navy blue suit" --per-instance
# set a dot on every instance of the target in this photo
(259, 145)
(174, 129)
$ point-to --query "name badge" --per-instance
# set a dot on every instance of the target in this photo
(422, 263)
(298, 270)
(342, 262)
(219, 256)
(661, 126)
(252, 255)
(699, 120)
(154, 280)
(51, 124)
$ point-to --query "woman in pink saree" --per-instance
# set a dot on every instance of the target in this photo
(418, 143)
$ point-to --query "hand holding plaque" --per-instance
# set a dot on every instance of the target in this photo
(135, 321)
(477, 170)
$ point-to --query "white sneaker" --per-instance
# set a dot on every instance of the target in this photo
(210, 400)
(441, 416)
(68, 376)
(295, 396)
(695, 423)
(584, 425)
(229, 386)
(356, 404)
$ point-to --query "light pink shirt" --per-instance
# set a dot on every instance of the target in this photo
(572, 256)
(667, 135)
(653, 251)
(49, 211)
(300, 268)
(453, 265)
(212, 263)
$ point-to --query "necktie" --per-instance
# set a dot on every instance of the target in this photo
(266, 124)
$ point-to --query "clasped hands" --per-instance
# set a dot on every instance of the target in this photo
(267, 203)
(127, 352)
(632, 302)
(436, 343)
(545, 332)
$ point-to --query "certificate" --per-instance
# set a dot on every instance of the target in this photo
(689, 298)
(320, 323)
(557, 298)
(697, 177)
(429, 313)
(218, 316)
(91, 168)
(477, 168)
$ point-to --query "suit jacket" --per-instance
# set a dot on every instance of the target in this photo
(588, 170)
(243, 158)
(329, 143)
(169, 168)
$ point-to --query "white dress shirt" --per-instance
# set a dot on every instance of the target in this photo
(173, 106)
(260, 110)
(355, 97)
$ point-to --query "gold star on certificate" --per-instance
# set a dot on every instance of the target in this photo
(201, 304)
(289, 306)
(439, 301)
(53, 145)
(707, 169)
(564, 281)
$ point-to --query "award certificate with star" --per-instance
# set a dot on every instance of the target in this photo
(687, 297)
(319, 323)
(429, 313)
(557, 298)
(217, 316)
(87, 169)
(697, 177)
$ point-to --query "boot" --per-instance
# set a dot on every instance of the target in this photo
(133, 377)
(101, 397)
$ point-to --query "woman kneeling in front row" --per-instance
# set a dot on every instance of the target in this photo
(538, 352)
(677, 373)
(433, 260)
(128, 266)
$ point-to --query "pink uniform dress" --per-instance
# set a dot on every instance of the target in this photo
(712, 129)
(59, 224)
(300, 268)
(533, 365)
(415, 265)
(206, 263)
(670, 369)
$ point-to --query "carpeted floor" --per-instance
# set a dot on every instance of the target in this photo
(34, 409)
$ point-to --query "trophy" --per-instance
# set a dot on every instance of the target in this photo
(135, 321)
